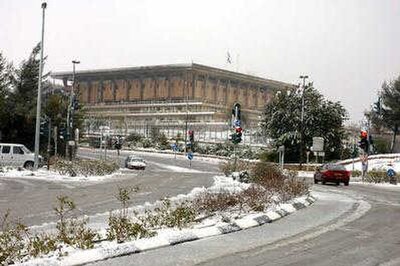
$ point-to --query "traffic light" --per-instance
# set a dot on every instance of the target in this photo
(62, 132)
(75, 103)
(239, 134)
(44, 127)
(364, 143)
(191, 136)
(118, 143)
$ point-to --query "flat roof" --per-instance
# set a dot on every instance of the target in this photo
(159, 69)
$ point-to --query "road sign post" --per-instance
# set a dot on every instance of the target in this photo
(190, 157)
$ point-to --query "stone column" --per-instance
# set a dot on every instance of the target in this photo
(246, 96)
(128, 89)
(141, 88)
(194, 81)
(216, 91)
(205, 83)
(168, 78)
(227, 90)
(114, 89)
(89, 91)
(100, 92)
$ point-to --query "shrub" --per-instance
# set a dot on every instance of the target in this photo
(376, 176)
(11, 240)
(268, 175)
(85, 167)
(293, 188)
(355, 173)
(72, 231)
(228, 167)
(134, 137)
(210, 202)
(169, 216)
(120, 226)
(42, 244)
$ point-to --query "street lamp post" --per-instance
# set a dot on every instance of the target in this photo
(303, 77)
(69, 113)
(39, 95)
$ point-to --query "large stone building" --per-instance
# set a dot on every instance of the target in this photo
(166, 96)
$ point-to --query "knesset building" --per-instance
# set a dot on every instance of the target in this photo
(165, 97)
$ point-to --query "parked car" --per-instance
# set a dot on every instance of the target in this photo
(134, 162)
(334, 173)
(16, 155)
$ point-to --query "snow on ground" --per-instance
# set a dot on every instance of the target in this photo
(176, 168)
(163, 154)
(209, 226)
(43, 174)
(378, 164)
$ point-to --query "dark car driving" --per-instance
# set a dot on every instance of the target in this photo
(334, 173)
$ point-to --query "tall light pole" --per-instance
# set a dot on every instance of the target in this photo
(70, 106)
(303, 77)
(39, 95)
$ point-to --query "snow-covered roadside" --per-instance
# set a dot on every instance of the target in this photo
(378, 164)
(208, 227)
(43, 174)
(164, 154)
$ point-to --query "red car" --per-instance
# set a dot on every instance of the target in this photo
(334, 173)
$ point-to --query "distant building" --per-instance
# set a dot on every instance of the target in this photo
(166, 96)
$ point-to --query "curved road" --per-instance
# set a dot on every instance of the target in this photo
(355, 225)
(33, 200)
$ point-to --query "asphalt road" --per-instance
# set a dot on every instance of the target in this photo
(33, 200)
(355, 225)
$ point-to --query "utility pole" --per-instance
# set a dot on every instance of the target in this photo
(187, 111)
(69, 113)
(303, 77)
(39, 95)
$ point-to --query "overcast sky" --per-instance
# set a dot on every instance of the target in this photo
(348, 48)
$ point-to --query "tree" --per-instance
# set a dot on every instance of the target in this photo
(388, 113)
(322, 118)
(21, 101)
(5, 88)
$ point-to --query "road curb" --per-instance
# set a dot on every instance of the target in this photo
(187, 235)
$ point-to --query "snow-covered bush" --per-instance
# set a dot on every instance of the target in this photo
(121, 227)
(85, 167)
(168, 215)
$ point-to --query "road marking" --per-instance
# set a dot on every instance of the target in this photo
(362, 208)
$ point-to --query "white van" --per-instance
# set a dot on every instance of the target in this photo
(16, 155)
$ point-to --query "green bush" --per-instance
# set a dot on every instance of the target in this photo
(42, 244)
(268, 156)
(169, 216)
(376, 176)
(381, 145)
(85, 167)
(355, 173)
(72, 231)
(228, 167)
(134, 138)
(120, 226)
(12, 240)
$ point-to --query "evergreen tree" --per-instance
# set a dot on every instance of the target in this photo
(22, 101)
(5, 88)
(390, 109)
(322, 118)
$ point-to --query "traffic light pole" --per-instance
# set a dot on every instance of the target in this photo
(302, 121)
(69, 113)
(39, 94)
(48, 145)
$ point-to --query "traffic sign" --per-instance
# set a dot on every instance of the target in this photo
(390, 172)
(190, 156)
